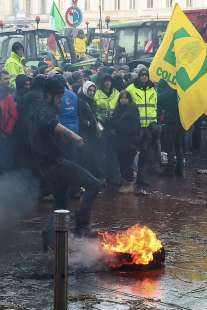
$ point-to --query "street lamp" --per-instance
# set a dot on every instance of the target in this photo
(87, 25)
(107, 21)
(1, 25)
(37, 19)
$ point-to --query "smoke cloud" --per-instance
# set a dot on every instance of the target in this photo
(85, 254)
(19, 193)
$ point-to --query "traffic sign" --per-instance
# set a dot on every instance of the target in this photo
(74, 16)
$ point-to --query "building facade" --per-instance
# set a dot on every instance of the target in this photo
(130, 10)
(25, 11)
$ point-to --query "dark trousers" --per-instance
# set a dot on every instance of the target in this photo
(7, 154)
(174, 144)
(196, 136)
(65, 174)
(150, 150)
(126, 155)
(90, 157)
(108, 158)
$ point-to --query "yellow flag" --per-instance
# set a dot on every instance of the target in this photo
(181, 61)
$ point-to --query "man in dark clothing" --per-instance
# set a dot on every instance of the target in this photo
(174, 132)
(42, 133)
(144, 94)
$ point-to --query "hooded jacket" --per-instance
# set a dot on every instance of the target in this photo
(37, 146)
(14, 67)
(88, 122)
(126, 123)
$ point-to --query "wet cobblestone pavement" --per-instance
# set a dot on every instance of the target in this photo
(176, 209)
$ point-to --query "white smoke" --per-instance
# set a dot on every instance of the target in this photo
(85, 253)
(19, 193)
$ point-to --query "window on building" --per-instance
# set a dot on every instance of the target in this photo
(132, 4)
(169, 3)
(189, 3)
(117, 5)
(87, 5)
(43, 7)
(28, 7)
(126, 40)
(149, 4)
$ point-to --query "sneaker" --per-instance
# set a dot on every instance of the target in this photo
(127, 188)
(141, 192)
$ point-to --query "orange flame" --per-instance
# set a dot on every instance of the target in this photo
(138, 242)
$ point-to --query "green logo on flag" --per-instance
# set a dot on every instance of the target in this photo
(182, 77)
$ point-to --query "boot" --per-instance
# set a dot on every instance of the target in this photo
(127, 188)
(82, 224)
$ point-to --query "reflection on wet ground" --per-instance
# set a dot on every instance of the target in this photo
(175, 209)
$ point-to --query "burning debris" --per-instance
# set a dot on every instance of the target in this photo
(137, 248)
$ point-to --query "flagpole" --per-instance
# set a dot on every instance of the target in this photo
(100, 28)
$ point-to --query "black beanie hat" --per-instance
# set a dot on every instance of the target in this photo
(54, 86)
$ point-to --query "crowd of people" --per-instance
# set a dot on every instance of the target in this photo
(87, 129)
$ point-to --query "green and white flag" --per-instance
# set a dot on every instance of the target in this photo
(56, 20)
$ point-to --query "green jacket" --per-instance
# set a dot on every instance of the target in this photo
(146, 99)
(14, 67)
(105, 105)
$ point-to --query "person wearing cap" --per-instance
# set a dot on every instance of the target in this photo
(106, 100)
(144, 94)
(42, 132)
(14, 65)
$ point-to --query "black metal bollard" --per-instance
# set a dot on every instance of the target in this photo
(61, 226)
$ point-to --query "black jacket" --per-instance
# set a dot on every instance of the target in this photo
(88, 122)
(126, 123)
(36, 137)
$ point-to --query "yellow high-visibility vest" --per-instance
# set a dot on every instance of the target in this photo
(146, 99)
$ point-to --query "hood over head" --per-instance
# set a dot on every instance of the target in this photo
(86, 86)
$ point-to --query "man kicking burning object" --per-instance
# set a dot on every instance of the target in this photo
(41, 133)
